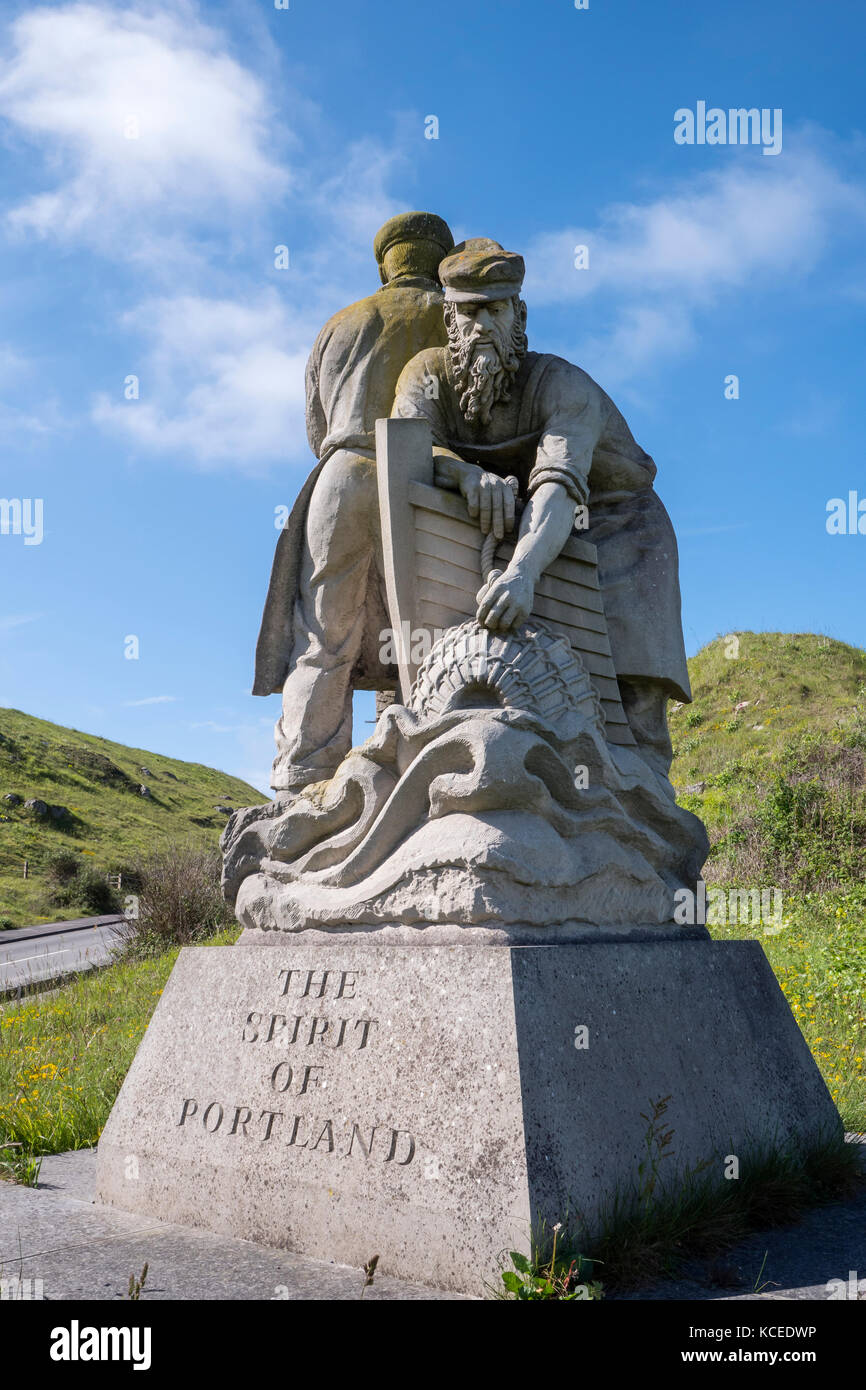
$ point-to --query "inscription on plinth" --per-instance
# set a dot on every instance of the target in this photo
(314, 1027)
(431, 1104)
(340, 1101)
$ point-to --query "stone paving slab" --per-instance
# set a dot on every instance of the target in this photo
(81, 1250)
(801, 1261)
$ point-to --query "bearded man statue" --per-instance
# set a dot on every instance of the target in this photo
(496, 409)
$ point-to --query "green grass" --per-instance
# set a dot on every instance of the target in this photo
(64, 1055)
(781, 784)
(638, 1242)
(819, 959)
(111, 826)
(647, 1232)
(785, 807)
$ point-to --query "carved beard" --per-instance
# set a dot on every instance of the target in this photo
(483, 372)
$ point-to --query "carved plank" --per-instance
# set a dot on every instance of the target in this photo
(454, 556)
(432, 566)
(451, 504)
(466, 534)
(403, 456)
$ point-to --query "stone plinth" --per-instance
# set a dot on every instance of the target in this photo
(429, 1104)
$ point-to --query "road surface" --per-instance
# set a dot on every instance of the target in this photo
(32, 954)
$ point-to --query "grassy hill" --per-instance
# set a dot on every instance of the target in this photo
(108, 822)
(771, 755)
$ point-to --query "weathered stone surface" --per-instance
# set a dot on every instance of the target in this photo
(495, 799)
(468, 517)
(512, 431)
(79, 1249)
(36, 807)
(12, 798)
(430, 1104)
(328, 539)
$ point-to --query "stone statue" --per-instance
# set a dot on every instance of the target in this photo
(495, 408)
(325, 605)
(520, 780)
(408, 1072)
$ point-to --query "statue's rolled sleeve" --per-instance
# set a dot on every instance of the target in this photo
(571, 417)
(549, 470)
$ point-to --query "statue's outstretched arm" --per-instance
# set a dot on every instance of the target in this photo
(506, 599)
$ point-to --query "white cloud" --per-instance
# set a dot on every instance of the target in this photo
(223, 378)
(723, 230)
(188, 201)
(637, 335)
(151, 700)
(355, 199)
(82, 74)
(12, 364)
(17, 620)
(13, 420)
(257, 777)
(654, 266)
(255, 752)
(17, 374)
(220, 382)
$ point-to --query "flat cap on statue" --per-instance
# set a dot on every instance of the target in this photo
(480, 269)
(412, 226)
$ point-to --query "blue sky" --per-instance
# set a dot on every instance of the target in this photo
(153, 157)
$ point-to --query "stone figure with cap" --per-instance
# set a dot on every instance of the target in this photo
(497, 409)
(325, 606)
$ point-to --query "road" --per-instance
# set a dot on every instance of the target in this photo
(31, 954)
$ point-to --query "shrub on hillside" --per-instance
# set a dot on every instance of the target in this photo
(62, 869)
(807, 834)
(815, 836)
(178, 902)
(854, 731)
(74, 884)
(95, 893)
